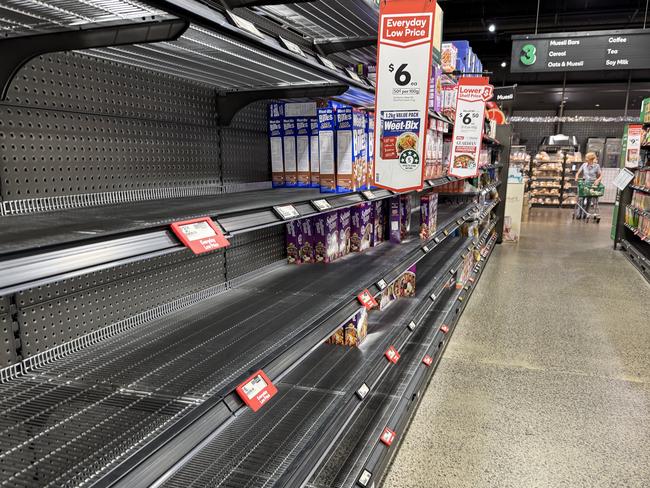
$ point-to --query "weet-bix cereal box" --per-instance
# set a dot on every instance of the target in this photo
(303, 139)
(314, 159)
(345, 157)
(289, 146)
(428, 215)
(327, 149)
(294, 241)
(361, 227)
(276, 113)
(345, 231)
(326, 237)
(307, 250)
(359, 151)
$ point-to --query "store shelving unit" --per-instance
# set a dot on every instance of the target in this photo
(121, 349)
(553, 180)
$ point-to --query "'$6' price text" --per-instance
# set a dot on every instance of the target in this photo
(467, 117)
(402, 76)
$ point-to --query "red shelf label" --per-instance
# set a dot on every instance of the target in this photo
(392, 355)
(387, 436)
(428, 360)
(367, 300)
(256, 390)
(444, 329)
(200, 235)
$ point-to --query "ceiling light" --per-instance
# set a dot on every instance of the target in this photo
(503, 64)
(492, 27)
(598, 105)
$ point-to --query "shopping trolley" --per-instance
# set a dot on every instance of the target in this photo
(587, 202)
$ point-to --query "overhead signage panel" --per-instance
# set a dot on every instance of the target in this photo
(581, 51)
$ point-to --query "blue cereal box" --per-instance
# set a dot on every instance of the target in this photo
(289, 151)
(327, 149)
(303, 153)
(345, 160)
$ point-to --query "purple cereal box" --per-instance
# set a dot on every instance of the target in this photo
(307, 249)
(326, 237)
(395, 219)
(378, 222)
(345, 229)
(294, 241)
(405, 216)
(428, 215)
(362, 228)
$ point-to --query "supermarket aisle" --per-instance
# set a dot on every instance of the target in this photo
(546, 382)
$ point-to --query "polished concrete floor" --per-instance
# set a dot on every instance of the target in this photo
(546, 381)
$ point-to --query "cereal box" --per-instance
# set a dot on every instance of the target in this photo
(276, 111)
(327, 149)
(370, 145)
(326, 237)
(361, 227)
(303, 136)
(359, 151)
(307, 254)
(428, 215)
(448, 57)
(435, 89)
(395, 219)
(314, 159)
(345, 156)
(405, 216)
(345, 231)
(294, 241)
(356, 328)
(289, 146)
(378, 222)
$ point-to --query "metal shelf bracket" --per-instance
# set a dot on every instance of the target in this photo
(16, 52)
(230, 103)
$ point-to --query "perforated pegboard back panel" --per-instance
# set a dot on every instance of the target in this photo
(49, 323)
(7, 342)
(74, 82)
(245, 146)
(254, 250)
(4, 305)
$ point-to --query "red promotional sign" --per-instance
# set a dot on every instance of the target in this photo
(367, 300)
(404, 51)
(428, 360)
(256, 390)
(444, 329)
(392, 355)
(387, 436)
(468, 126)
(200, 235)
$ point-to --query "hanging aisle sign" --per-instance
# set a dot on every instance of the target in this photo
(401, 104)
(468, 126)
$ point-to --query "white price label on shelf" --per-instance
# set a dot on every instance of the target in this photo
(353, 75)
(326, 62)
(381, 284)
(425, 249)
(401, 102)
(368, 194)
(411, 325)
(245, 25)
(287, 212)
(468, 127)
(321, 204)
(363, 391)
(293, 47)
(364, 479)
(623, 179)
(437, 240)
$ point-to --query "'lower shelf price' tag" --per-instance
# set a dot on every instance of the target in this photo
(428, 360)
(256, 390)
(392, 355)
(387, 436)
(366, 299)
(200, 235)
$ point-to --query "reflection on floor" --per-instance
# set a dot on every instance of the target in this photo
(546, 381)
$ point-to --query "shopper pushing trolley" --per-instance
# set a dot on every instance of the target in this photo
(589, 189)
